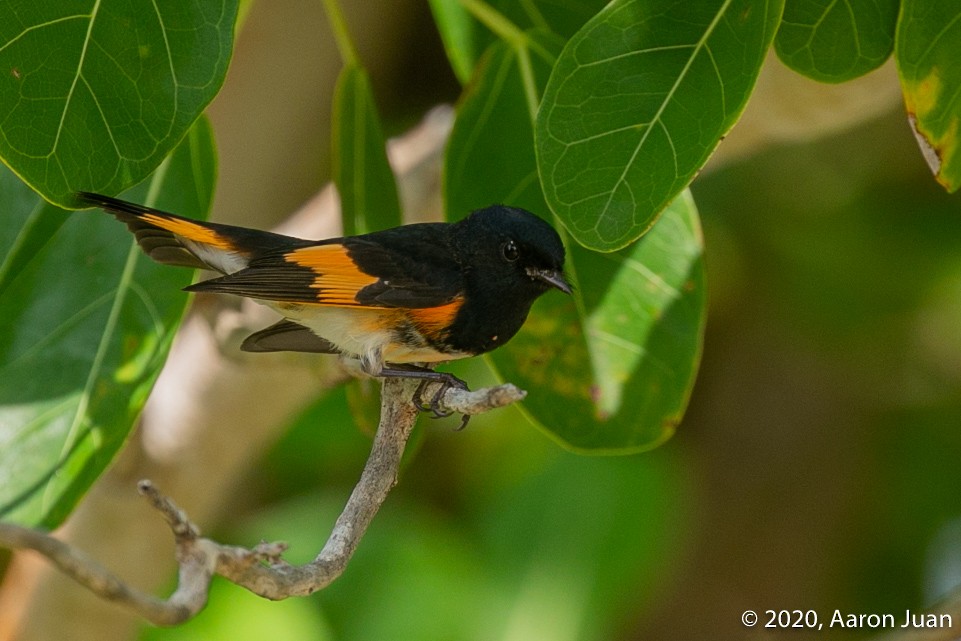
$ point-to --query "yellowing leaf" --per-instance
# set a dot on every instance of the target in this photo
(927, 51)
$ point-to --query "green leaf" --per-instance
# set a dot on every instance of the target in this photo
(362, 173)
(95, 94)
(611, 369)
(21, 243)
(87, 321)
(835, 41)
(637, 101)
(927, 50)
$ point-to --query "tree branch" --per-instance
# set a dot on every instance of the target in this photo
(86, 571)
(261, 569)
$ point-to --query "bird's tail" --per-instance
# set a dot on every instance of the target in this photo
(175, 240)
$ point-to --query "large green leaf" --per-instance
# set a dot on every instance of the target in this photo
(362, 173)
(87, 321)
(637, 101)
(927, 51)
(94, 94)
(835, 41)
(610, 369)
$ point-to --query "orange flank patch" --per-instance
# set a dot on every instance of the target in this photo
(337, 278)
(432, 321)
(191, 231)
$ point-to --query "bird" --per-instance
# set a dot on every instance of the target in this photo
(390, 303)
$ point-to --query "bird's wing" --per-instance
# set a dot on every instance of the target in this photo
(360, 271)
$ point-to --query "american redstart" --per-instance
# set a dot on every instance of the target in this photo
(390, 301)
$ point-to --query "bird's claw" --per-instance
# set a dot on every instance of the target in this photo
(433, 405)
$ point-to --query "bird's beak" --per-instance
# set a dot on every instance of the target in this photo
(552, 277)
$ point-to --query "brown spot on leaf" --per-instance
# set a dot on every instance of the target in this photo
(931, 153)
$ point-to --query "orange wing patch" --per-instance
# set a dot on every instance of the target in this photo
(191, 231)
(337, 278)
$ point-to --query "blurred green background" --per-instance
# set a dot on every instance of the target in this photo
(817, 466)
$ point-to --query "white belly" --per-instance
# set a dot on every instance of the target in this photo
(357, 332)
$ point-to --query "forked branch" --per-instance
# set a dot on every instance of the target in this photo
(261, 569)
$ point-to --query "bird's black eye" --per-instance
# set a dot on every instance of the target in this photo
(510, 251)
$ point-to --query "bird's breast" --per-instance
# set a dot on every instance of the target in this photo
(397, 335)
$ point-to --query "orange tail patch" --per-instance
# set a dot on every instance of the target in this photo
(189, 230)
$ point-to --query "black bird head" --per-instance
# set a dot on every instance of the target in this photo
(521, 256)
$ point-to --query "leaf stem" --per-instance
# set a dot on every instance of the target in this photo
(527, 79)
(495, 21)
(338, 25)
(515, 37)
(530, 8)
